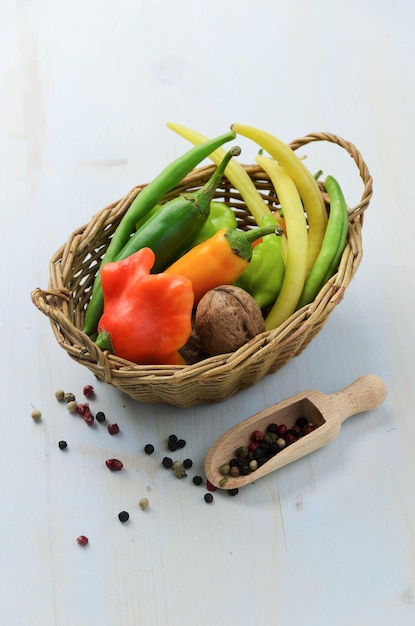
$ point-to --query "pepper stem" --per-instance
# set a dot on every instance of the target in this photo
(241, 241)
(205, 194)
(103, 341)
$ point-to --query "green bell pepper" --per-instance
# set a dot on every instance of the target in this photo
(263, 277)
(220, 216)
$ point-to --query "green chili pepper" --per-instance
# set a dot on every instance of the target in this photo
(148, 197)
(263, 277)
(333, 243)
(221, 216)
(169, 233)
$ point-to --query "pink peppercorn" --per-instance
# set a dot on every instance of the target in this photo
(209, 486)
(82, 540)
(281, 430)
(88, 391)
(115, 465)
(83, 408)
(290, 438)
(113, 429)
(257, 435)
(308, 429)
(253, 446)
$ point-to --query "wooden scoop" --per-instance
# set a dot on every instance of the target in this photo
(326, 412)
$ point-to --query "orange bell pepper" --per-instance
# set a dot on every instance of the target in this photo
(219, 260)
(147, 317)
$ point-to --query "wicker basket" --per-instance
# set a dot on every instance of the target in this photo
(72, 273)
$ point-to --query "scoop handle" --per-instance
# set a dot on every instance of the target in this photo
(366, 393)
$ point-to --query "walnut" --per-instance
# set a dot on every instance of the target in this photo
(226, 318)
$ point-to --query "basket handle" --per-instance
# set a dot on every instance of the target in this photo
(357, 157)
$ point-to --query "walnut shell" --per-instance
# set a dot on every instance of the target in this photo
(226, 318)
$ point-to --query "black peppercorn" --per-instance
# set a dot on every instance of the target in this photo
(149, 448)
(208, 498)
(167, 462)
(187, 463)
(180, 443)
(301, 422)
(197, 480)
(124, 516)
(100, 417)
(272, 428)
(233, 492)
(62, 445)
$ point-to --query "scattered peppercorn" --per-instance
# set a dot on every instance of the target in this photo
(208, 498)
(143, 503)
(60, 394)
(187, 463)
(69, 397)
(197, 480)
(88, 391)
(167, 462)
(100, 417)
(180, 443)
(82, 540)
(88, 418)
(36, 415)
(113, 429)
(179, 469)
(233, 492)
(82, 408)
(123, 516)
(149, 448)
(172, 443)
(115, 465)
(72, 406)
(62, 445)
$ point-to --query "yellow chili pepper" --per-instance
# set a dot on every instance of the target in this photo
(305, 182)
(234, 172)
(297, 243)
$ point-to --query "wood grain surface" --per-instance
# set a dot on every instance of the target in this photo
(86, 90)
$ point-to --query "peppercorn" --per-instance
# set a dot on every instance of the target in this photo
(257, 435)
(115, 465)
(179, 469)
(253, 465)
(234, 471)
(209, 486)
(72, 406)
(62, 445)
(241, 452)
(187, 463)
(36, 415)
(180, 443)
(82, 540)
(88, 418)
(100, 417)
(123, 516)
(281, 430)
(143, 503)
(69, 397)
(88, 391)
(272, 428)
(225, 469)
(113, 429)
(233, 492)
(208, 498)
(301, 422)
(82, 408)
(197, 480)
(167, 462)
(60, 394)
(290, 438)
(149, 448)
(172, 443)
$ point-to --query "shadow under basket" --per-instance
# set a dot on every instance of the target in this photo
(74, 266)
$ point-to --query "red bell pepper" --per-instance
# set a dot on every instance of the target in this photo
(147, 317)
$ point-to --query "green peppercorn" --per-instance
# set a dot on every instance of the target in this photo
(225, 469)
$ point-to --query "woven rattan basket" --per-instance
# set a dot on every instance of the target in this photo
(73, 269)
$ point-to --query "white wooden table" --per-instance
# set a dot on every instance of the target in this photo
(86, 89)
